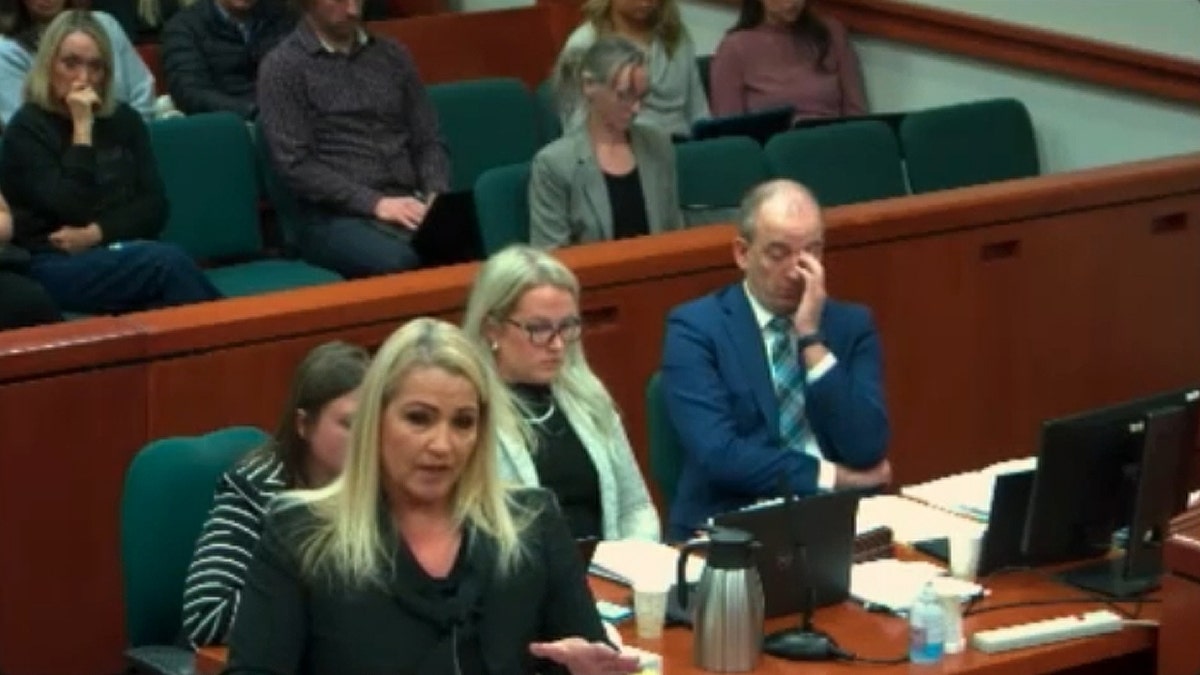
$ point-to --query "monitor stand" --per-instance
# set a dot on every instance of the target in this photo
(1111, 578)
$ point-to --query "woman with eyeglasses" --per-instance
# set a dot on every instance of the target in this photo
(524, 313)
(611, 177)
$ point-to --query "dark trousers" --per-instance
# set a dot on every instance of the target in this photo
(127, 277)
(357, 247)
(24, 303)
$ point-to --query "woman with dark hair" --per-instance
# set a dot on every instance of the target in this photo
(87, 200)
(781, 53)
(306, 451)
(22, 23)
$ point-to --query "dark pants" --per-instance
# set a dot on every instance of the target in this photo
(132, 276)
(357, 247)
(24, 303)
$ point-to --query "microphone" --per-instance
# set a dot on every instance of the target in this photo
(803, 642)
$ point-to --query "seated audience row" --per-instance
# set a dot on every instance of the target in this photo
(83, 184)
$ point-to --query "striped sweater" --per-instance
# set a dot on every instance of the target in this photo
(214, 583)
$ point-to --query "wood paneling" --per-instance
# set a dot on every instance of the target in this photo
(64, 444)
(1150, 73)
(997, 305)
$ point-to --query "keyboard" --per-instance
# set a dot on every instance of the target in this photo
(1047, 631)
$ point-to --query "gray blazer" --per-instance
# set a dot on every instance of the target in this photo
(626, 511)
(568, 200)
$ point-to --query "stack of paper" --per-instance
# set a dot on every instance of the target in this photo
(625, 560)
(968, 494)
(895, 584)
(909, 520)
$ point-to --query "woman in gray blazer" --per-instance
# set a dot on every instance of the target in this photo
(608, 178)
(524, 314)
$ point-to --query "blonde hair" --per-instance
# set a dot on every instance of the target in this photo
(38, 89)
(600, 63)
(500, 284)
(668, 26)
(347, 542)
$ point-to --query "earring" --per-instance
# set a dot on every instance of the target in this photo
(494, 346)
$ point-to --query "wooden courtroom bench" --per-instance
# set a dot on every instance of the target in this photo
(1178, 646)
(998, 306)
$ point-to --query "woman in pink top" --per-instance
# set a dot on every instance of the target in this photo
(780, 53)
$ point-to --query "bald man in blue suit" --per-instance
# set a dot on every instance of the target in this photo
(768, 383)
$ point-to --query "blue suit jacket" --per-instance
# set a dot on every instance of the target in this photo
(722, 404)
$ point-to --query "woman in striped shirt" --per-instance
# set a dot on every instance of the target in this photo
(307, 451)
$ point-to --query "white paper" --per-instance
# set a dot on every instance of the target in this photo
(629, 559)
(895, 584)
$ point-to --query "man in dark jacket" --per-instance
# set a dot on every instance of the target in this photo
(211, 51)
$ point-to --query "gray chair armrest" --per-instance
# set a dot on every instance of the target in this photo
(161, 660)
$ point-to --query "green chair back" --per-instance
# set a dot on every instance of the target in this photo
(208, 169)
(549, 123)
(507, 135)
(288, 216)
(847, 163)
(502, 206)
(714, 174)
(969, 144)
(167, 496)
(666, 455)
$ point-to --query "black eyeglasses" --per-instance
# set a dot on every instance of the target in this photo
(542, 333)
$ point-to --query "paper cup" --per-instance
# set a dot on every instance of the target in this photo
(964, 553)
(650, 607)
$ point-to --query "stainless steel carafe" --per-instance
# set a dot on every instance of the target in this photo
(727, 619)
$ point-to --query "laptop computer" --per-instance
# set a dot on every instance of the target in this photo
(760, 125)
(450, 232)
(807, 547)
(1001, 545)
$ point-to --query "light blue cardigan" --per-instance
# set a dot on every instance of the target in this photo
(132, 81)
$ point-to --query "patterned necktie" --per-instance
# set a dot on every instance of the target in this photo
(789, 383)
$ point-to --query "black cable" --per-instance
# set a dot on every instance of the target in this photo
(843, 655)
(1055, 601)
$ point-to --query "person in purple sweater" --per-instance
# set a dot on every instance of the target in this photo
(781, 53)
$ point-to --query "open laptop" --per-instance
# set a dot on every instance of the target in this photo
(760, 125)
(807, 547)
(450, 232)
(1001, 545)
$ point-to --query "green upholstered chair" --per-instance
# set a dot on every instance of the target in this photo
(167, 496)
(549, 122)
(714, 174)
(502, 206)
(666, 455)
(856, 161)
(207, 163)
(969, 144)
(485, 124)
(288, 217)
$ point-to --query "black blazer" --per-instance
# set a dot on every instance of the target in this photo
(291, 624)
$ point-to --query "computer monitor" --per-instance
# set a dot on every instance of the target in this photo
(1123, 466)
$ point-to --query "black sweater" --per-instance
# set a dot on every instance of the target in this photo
(289, 623)
(209, 66)
(50, 182)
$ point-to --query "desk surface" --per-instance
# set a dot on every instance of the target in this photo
(884, 637)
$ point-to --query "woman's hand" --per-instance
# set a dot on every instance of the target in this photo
(82, 103)
(586, 658)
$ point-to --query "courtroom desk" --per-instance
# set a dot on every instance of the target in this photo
(883, 636)
(1179, 637)
(998, 306)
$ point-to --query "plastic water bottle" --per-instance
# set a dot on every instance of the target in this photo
(926, 628)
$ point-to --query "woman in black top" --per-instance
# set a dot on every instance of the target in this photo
(79, 173)
(417, 560)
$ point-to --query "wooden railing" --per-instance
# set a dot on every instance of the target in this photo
(997, 306)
